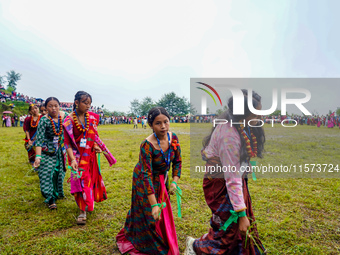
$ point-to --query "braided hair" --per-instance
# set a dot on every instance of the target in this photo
(81, 95)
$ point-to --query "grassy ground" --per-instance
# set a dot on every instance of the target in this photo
(295, 216)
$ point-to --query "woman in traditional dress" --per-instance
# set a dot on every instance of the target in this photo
(8, 121)
(330, 122)
(226, 193)
(50, 153)
(82, 143)
(149, 226)
(319, 121)
(30, 128)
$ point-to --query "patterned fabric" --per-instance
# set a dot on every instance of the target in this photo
(93, 188)
(225, 143)
(224, 192)
(140, 227)
(52, 166)
(27, 128)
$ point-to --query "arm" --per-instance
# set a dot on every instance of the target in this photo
(229, 152)
(146, 159)
(39, 141)
(176, 163)
(74, 163)
(69, 150)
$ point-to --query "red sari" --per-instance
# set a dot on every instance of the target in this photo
(32, 131)
(92, 184)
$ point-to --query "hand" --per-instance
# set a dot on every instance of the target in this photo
(97, 149)
(243, 225)
(173, 188)
(36, 162)
(156, 213)
(30, 142)
(74, 165)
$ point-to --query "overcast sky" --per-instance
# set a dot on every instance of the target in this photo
(122, 50)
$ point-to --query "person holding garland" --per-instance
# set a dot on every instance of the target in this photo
(82, 144)
(227, 193)
(51, 153)
(30, 128)
(149, 227)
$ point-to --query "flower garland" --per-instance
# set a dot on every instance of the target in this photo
(251, 153)
(53, 125)
(87, 122)
(36, 123)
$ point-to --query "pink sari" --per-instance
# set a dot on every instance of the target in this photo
(164, 227)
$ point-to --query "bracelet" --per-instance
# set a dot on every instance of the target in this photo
(152, 206)
(73, 160)
(37, 156)
(175, 184)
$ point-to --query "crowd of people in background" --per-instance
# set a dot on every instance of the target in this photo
(12, 120)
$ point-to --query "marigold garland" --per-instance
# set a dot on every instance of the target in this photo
(251, 153)
(53, 125)
(87, 122)
(37, 122)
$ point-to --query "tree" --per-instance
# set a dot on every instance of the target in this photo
(12, 78)
(145, 106)
(337, 111)
(277, 113)
(116, 113)
(107, 112)
(135, 107)
(219, 112)
(192, 110)
(2, 80)
(174, 105)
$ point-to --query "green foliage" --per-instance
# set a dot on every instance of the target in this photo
(12, 78)
(192, 110)
(2, 80)
(107, 112)
(21, 108)
(116, 113)
(277, 113)
(146, 104)
(174, 104)
(294, 216)
(337, 111)
(135, 107)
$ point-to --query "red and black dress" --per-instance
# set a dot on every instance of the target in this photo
(31, 126)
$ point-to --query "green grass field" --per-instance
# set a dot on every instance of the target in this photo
(294, 215)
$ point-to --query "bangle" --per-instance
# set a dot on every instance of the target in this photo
(152, 206)
(73, 160)
(37, 156)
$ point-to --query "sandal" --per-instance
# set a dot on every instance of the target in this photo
(81, 219)
(52, 207)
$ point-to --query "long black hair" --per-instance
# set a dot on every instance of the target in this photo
(79, 95)
(50, 99)
(257, 131)
(154, 112)
(31, 107)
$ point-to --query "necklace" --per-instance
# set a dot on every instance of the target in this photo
(167, 161)
(53, 125)
(36, 123)
(81, 127)
(252, 153)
